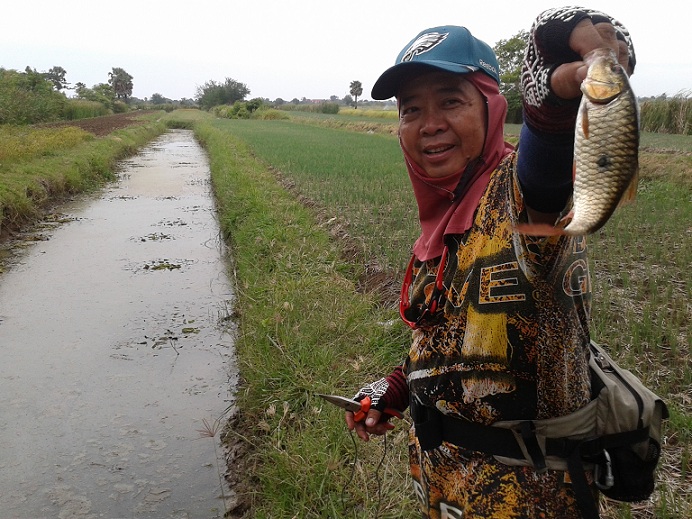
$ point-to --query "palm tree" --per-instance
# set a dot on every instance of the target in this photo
(356, 90)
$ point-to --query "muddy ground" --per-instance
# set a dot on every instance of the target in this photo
(106, 124)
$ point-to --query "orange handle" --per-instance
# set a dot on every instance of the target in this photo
(364, 408)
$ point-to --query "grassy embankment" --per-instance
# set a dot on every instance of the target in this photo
(304, 325)
(40, 166)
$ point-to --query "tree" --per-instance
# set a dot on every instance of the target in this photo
(227, 93)
(28, 97)
(510, 55)
(121, 82)
(34, 80)
(254, 104)
(355, 91)
(56, 75)
(106, 90)
(158, 99)
(102, 93)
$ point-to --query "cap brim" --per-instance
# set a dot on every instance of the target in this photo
(391, 79)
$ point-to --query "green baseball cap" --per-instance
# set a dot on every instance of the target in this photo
(449, 48)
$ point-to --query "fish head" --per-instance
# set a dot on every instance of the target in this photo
(605, 77)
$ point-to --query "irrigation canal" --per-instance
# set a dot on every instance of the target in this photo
(115, 350)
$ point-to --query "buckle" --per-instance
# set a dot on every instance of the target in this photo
(609, 480)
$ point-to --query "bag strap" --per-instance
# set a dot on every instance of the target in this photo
(590, 450)
(586, 501)
(433, 427)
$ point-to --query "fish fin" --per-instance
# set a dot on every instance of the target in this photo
(539, 229)
(631, 192)
(545, 229)
(585, 121)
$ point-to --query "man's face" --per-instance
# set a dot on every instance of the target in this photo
(442, 122)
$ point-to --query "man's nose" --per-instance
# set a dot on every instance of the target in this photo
(433, 122)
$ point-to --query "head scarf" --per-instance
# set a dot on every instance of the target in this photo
(447, 205)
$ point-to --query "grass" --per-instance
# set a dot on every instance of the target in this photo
(39, 166)
(81, 109)
(391, 114)
(19, 143)
(328, 167)
(285, 187)
(303, 328)
(642, 310)
(210, 428)
(668, 114)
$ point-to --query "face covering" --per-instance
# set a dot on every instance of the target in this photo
(447, 205)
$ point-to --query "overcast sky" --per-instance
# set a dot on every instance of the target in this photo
(295, 49)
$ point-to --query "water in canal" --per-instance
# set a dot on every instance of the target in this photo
(115, 349)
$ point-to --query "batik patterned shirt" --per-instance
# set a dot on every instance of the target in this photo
(510, 342)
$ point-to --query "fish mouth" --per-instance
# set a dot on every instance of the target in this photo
(600, 91)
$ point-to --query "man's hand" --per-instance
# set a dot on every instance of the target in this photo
(372, 424)
(388, 396)
(554, 68)
(585, 37)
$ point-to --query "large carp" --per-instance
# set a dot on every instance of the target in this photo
(606, 148)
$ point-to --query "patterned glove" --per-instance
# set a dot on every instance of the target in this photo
(390, 392)
(547, 49)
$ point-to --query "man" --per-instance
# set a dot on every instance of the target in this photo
(496, 334)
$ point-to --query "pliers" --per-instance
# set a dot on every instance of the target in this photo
(358, 408)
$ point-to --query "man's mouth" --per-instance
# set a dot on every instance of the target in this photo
(438, 149)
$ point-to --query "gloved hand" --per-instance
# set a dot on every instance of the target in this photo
(553, 68)
(387, 393)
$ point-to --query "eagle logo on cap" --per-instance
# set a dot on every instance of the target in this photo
(422, 44)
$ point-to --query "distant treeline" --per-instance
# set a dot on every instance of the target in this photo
(30, 97)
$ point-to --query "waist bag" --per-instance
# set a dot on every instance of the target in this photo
(616, 435)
